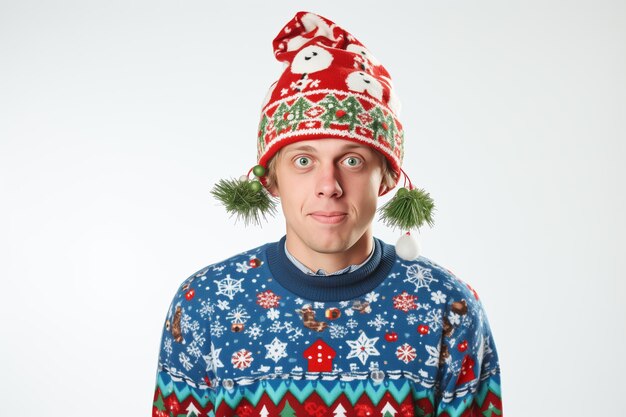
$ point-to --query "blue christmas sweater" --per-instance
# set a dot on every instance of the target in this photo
(253, 335)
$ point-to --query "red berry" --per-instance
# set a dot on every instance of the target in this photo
(340, 113)
(391, 336)
(189, 294)
(462, 347)
(423, 329)
(385, 126)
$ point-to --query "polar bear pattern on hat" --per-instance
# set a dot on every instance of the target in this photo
(365, 60)
(361, 82)
(394, 102)
(310, 59)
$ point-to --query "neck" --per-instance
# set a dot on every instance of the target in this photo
(332, 260)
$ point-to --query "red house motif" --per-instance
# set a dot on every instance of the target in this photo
(467, 371)
(319, 356)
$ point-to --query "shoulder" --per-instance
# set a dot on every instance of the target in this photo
(448, 282)
(435, 283)
(201, 281)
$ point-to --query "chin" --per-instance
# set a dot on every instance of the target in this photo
(332, 247)
(329, 242)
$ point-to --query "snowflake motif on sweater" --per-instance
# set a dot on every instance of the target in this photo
(254, 335)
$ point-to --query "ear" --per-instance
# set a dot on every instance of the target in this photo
(273, 190)
(382, 189)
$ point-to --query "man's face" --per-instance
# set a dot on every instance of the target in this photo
(328, 190)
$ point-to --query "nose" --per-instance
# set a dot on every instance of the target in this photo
(328, 182)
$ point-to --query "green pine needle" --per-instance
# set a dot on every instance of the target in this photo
(408, 210)
(240, 199)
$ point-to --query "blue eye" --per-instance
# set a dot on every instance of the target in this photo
(303, 161)
(353, 161)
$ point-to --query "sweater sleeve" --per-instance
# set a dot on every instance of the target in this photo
(183, 380)
(469, 383)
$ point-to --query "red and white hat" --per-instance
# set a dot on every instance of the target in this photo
(331, 87)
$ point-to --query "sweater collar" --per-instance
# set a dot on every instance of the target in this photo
(338, 287)
(320, 272)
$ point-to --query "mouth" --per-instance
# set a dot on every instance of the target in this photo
(329, 217)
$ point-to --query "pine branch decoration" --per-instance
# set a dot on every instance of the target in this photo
(247, 200)
(408, 209)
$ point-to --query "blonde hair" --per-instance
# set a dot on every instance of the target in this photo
(389, 176)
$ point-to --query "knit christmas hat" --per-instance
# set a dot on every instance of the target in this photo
(331, 87)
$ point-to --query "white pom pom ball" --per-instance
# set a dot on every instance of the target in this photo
(407, 247)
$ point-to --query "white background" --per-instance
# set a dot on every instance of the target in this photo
(117, 117)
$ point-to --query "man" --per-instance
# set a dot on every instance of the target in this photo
(329, 321)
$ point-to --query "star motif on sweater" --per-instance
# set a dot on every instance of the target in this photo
(362, 348)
